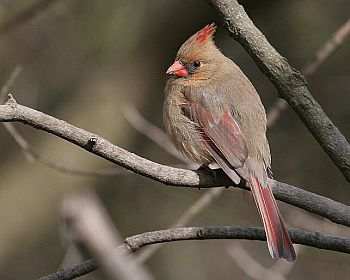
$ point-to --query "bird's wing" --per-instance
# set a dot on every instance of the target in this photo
(223, 132)
(223, 138)
(220, 131)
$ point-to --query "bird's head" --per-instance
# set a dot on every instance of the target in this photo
(198, 57)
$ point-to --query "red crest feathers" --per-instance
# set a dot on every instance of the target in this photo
(205, 33)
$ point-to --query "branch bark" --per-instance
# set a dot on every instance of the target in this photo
(317, 204)
(134, 243)
(289, 82)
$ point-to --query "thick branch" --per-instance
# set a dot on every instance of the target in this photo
(134, 243)
(13, 112)
(290, 83)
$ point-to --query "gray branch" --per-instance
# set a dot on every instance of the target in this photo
(289, 82)
(134, 243)
(317, 204)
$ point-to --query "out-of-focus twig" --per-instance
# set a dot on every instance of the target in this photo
(249, 265)
(255, 270)
(280, 269)
(154, 133)
(9, 83)
(91, 227)
(198, 206)
(323, 53)
(337, 39)
(25, 15)
(33, 156)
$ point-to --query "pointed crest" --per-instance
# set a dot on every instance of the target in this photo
(205, 33)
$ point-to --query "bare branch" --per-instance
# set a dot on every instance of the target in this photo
(290, 83)
(11, 112)
(134, 243)
(91, 226)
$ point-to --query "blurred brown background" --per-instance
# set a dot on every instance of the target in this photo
(84, 61)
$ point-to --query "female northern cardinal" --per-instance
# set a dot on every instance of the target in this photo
(215, 116)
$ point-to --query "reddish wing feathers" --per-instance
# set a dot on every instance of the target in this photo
(205, 33)
(224, 132)
(226, 144)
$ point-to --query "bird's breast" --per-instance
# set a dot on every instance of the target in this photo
(184, 133)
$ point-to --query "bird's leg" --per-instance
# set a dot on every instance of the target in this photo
(206, 169)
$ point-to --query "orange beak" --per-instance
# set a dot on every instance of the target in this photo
(177, 69)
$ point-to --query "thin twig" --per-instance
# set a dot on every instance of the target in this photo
(33, 156)
(198, 206)
(134, 243)
(328, 48)
(254, 269)
(323, 53)
(9, 83)
(145, 127)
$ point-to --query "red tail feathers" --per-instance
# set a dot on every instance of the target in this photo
(278, 240)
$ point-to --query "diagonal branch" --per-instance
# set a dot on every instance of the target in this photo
(134, 243)
(13, 112)
(290, 83)
(324, 52)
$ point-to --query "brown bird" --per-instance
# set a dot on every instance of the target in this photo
(214, 116)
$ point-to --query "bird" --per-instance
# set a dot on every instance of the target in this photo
(215, 118)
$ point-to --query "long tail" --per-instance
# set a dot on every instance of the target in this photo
(278, 240)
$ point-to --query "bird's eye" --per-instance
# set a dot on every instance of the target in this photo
(196, 64)
(192, 67)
